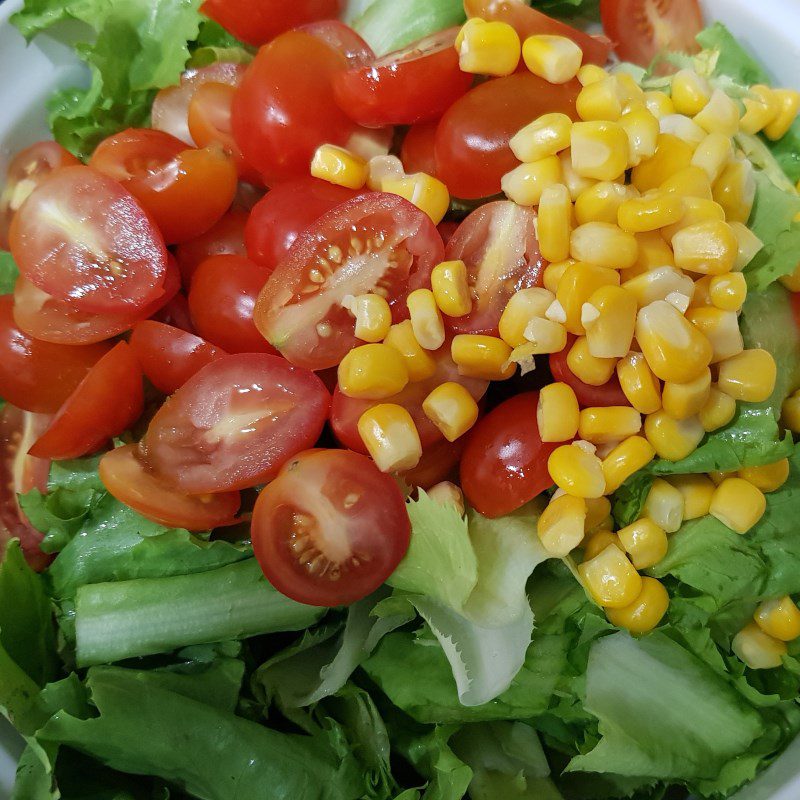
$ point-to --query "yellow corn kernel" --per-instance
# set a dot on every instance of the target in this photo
(713, 154)
(450, 287)
(645, 612)
(555, 222)
(484, 357)
(642, 129)
(645, 542)
(426, 321)
(709, 248)
(779, 618)
(604, 244)
(716, 477)
(588, 368)
(591, 73)
(553, 273)
(373, 317)
(554, 58)
(629, 91)
(381, 168)
(735, 190)
(610, 578)
(611, 321)
(650, 212)
(604, 424)
(768, 477)
(690, 92)
(561, 525)
(664, 506)
(544, 336)
(372, 372)
(748, 376)
(545, 136)
(598, 514)
(659, 104)
(672, 155)
(658, 284)
(718, 411)
(600, 100)
(790, 413)
(577, 471)
(574, 182)
(488, 48)
(721, 328)
(525, 183)
(792, 282)
(696, 211)
(390, 436)
(418, 362)
(424, 191)
(452, 409)
(761, 107)
(702, 291)
(728, 292)
(626, 458)
(738, 504)
(446, 493)
(682, 400)
(757, 649)
(719, 115)
(522, 307)
(339, 166)
(673, 439)
(684, 128)
(599, 149)
(653, 252)
(697, 491)
(691, 181)
(557, 413)
(638, 383)
(598, 541)
(578, 283)
(601, 202)
(788, 103)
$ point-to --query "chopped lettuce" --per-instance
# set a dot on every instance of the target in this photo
(8, 272)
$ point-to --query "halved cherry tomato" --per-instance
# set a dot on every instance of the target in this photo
(343, 38)
(498, 244)
(641, 29)
(417, 152)
(472, 151)
(226, 237)
(39, 376)
(284, 213)
(258, 21)
(505, 461)
(411, 85)
(222, 299)
(81, 237)
(26, 171)
(176, 313)
(186, 190)
(126, 476)
(375, 242)
(236, 423)
(107, 401)
(170, 356)
(447, 230)
(439, 463)
(330, 529)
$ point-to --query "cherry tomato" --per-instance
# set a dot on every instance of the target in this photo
(284, 213)
(126, 476)
(107, 401)
(225, 238)
(258, 21)
(447, 230)
(221, 301)
(26, 171)
(641, 29)
(39, 376)
(498, 244)
(236, 423)
(176, 313)
(330, 529)
(505, 461)
(343, 38)
(417, 152)
(373, 242)
(411, 85)
(439, 463)
(82, 237)
(472, 151)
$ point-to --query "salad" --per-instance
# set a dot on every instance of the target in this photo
(399, 403)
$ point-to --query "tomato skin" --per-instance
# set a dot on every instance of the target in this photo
(417, 152)
(505, 461)
(107, 401)
(235, 423)
(343, 38)
(439, 463)
(472, 150)
(176, 313)
(311, 567)
(126, 476)
(226, 237)
(447, 230)
(609, 394)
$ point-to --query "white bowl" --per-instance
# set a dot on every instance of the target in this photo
(29, 74)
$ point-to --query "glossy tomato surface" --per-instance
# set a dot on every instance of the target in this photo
(417, 152)
(343, 38)
(330, 529)
(439, 463)
(226, 237)
(609, 394)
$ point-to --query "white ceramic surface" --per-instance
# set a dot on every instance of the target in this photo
(770, 28)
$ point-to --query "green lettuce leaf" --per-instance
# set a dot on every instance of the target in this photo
(8, 272)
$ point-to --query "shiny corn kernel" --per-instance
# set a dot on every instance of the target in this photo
(629, 90)
(769, 477)
(522, 307)
(718, 411)
(719, 115)
(525, 183)
(391, 438)
(638, 383)
(659, 104)
(424, 191)
(484, 357)
(709, 248)
(576, 471)
(690, 92)
(790, 412)
(696, 211)
(658, 284)
(642, 129)
(779, 618)
(603, 424)
(554, 58)
(683, 128)
(626, 458)
(761, 107)
(446, 493)
(672, 155)
(339, 166)
(557, 413)
(544, 336)
(716, 477)
(738, 504)
(555, 222)
(749, 376)
(697, 491)
(452, 409)
(720, 328)
(673, 439)
(604, 244)
(591, 73)
(545, 136)
(713, 154)
(574, 182)
(373, 317)
(588, 368)
(650, 212)
(788, 103)
(578, 283)
(664, 506)
(419, 363)
(757, 649)
(450, 287)
(372, 372)
(691, 181)
(645, 612)
(599, 149)
(653, 252)
(426, 321)
(488, 48)
(381, 168)
(728, 292)
(561, 525)
(610, 578)
(791, 282)
(735, 190)
(610, 334)
(553, 273)
(682, 400)
(645, 542)
(594, 544)
(600, 101)
(601, 202)
(598, 514)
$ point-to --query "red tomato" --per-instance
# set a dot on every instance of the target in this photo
(411, 85)
(284, 213)
(83, 238)
(221, 301)
(343, 38)
(439, 463)
(417, 152)
(20, 473)
(225, 238)
(609, 394)
(126, 477)
(26, 171)
(374, 242)
(472, 151)
(505, 461)
(170, 356)
(176, 313)
(236, 423)
(641, 29)
(527, 22)
(330, 529)
(39, 376)
(447, 230)
(498, 244)
(258, 21)
(107, 401)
